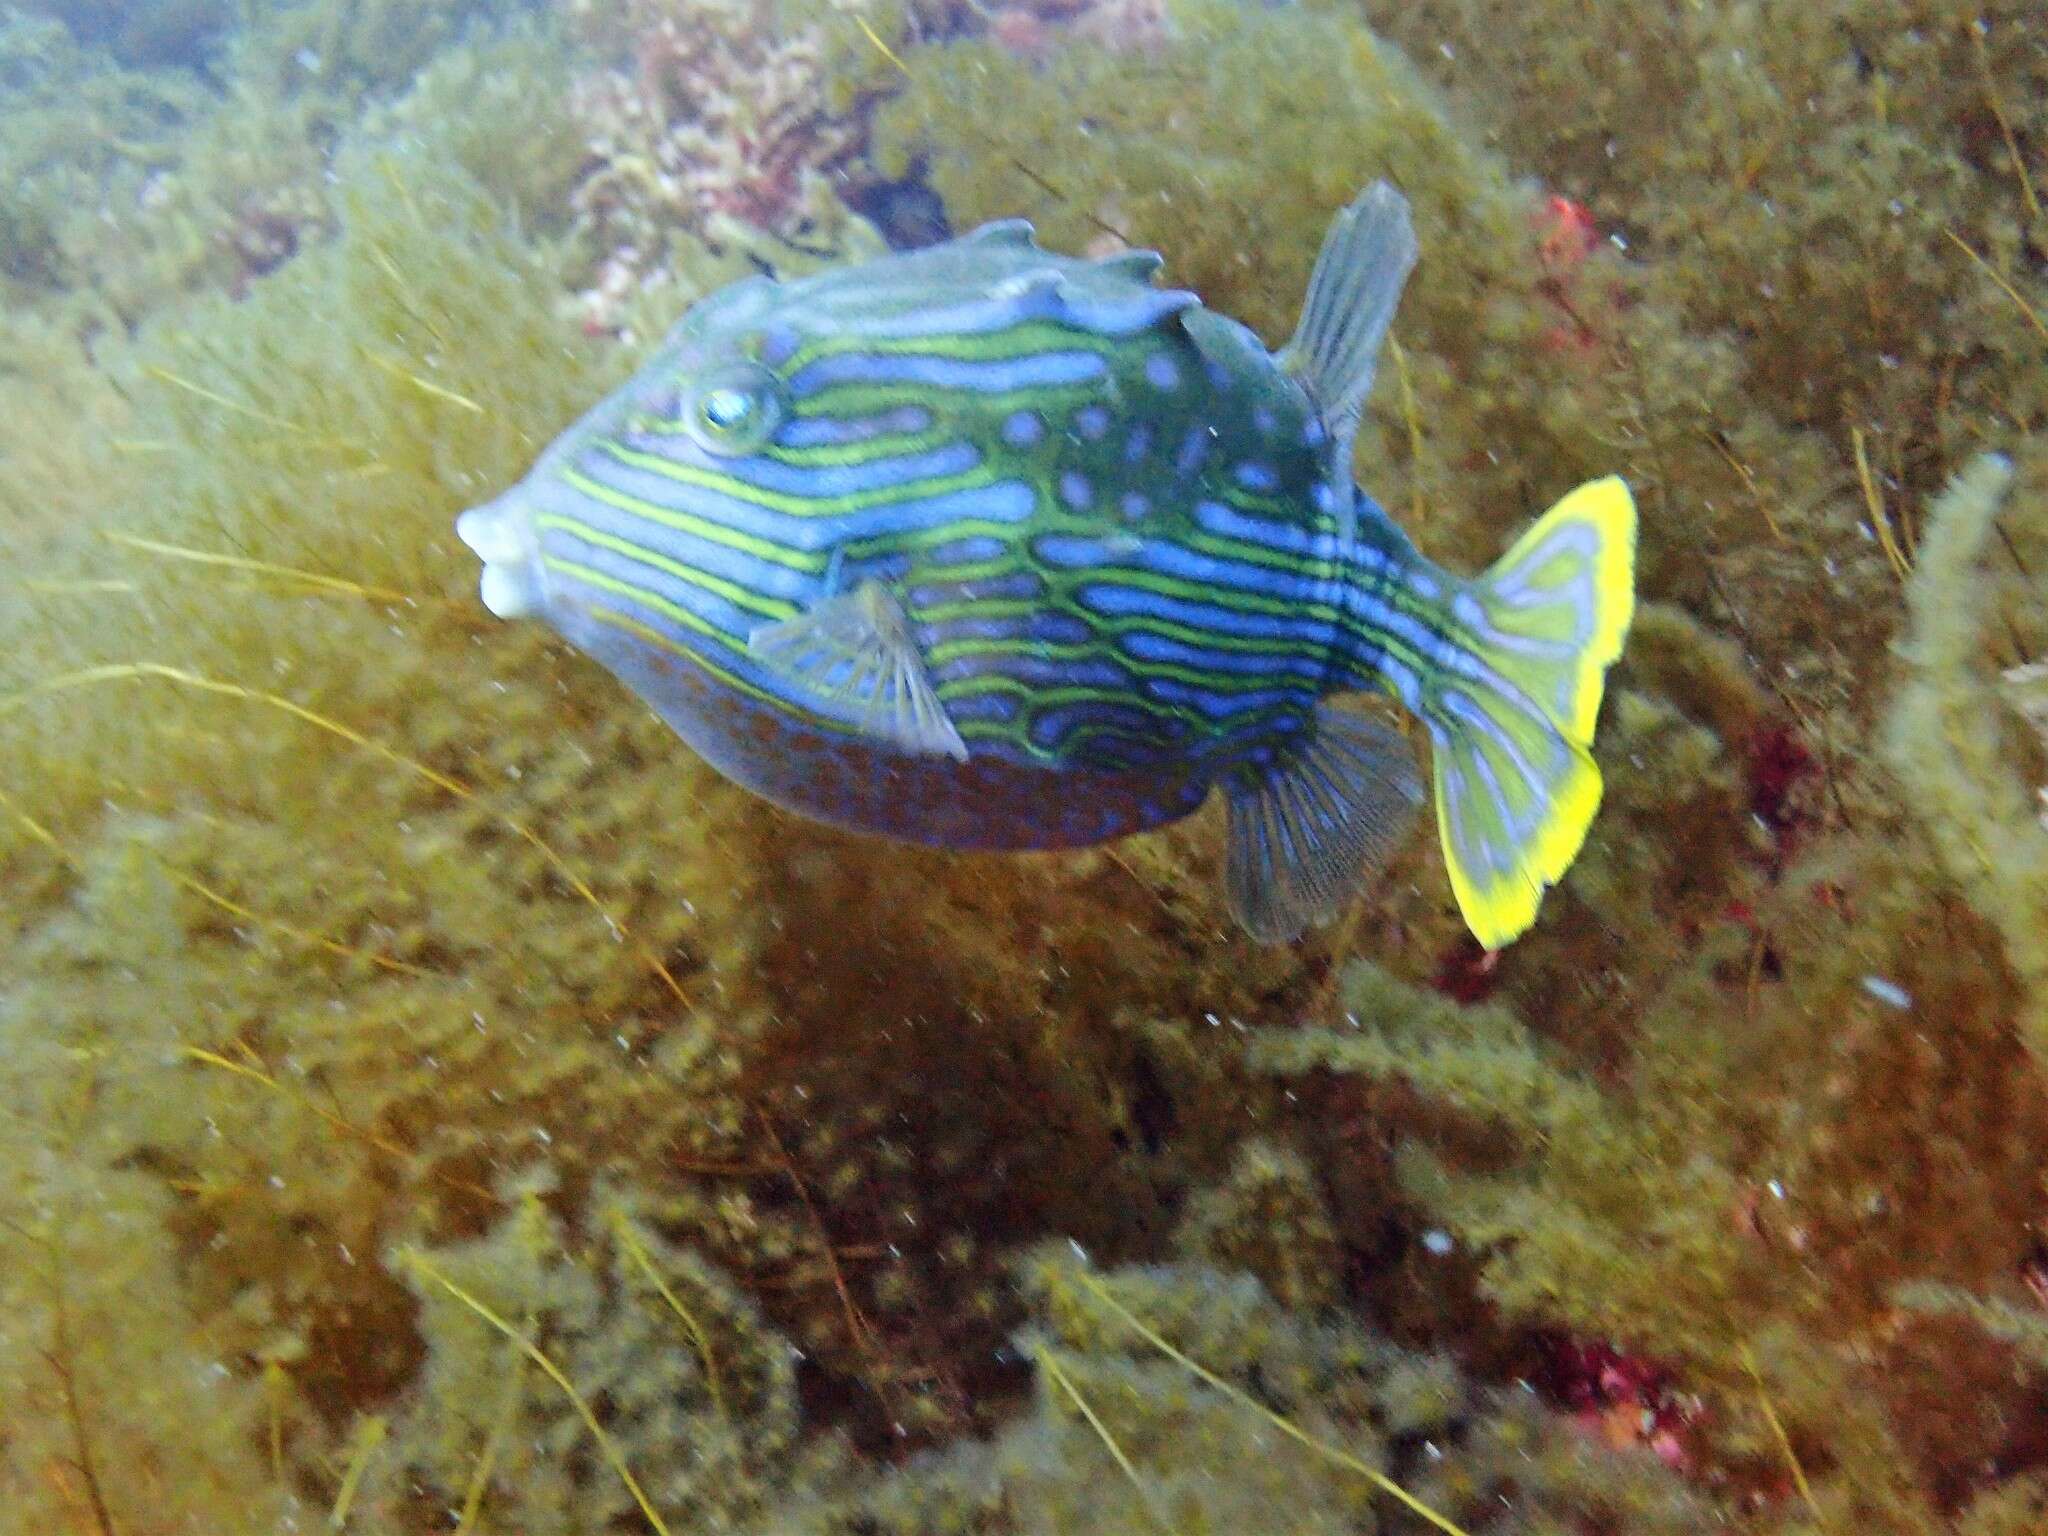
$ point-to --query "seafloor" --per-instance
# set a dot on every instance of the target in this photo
(432, 1101)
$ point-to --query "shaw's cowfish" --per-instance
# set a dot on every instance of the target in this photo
(991, 548)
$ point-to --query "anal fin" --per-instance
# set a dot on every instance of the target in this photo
(1308, 830)
(854, 652)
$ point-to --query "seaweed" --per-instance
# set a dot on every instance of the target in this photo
(1956, 746)
(491, 106)
(349, 50)
(1875, 164)
(700, 1410)
(158, 1044)
(1705, 1213)
(72, 121)
(1268, 1218)
(2023, 1328)
(1153, 1383)
(129, 186)
(92, 1439)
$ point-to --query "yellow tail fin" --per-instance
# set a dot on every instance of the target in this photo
(1515, 786)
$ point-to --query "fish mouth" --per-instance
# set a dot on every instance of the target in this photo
(501, 534)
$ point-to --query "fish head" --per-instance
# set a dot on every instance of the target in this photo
(708, 400)
(778, 418)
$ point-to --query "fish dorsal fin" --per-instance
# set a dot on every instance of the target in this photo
(1091, 298)
(1136, 265)
(1308, 829)
(1223, 341)
(1041, 291)
(1010, 232)
(854, 652)
(1365, 261)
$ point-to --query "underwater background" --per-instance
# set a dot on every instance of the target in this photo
(433, 1100)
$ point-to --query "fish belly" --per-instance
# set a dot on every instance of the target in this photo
(991, 801)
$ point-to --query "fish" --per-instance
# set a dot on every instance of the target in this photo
(986, 547)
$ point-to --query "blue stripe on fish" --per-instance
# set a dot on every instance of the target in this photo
(1004, 501)
(1031, 370)
(824, 484)
(1126, 315)
(836, 431)
(1115, 599)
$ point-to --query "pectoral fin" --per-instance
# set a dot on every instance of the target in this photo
(854, 652)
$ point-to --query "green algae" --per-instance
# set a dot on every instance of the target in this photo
(353, 940)
(1955, 744)
(2020, 1327)
(1121, 1437)
(127, 187)
(1703, 1213)
(71, 124)
(1842, 159)
(699, 1397)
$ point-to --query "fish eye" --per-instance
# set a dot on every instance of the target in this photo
(734, 409)
(726, 409)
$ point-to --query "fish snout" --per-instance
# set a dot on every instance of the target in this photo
(501, 533)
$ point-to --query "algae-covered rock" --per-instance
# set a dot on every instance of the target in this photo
(699, 1398)
(1124, 1437)
(1872, 164)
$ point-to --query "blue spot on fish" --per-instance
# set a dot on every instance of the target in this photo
(1091, 422)
(1075, 490)
(968, 551)
(778, 345)
(997, 708)
(1023, 429)
(1161, 372)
